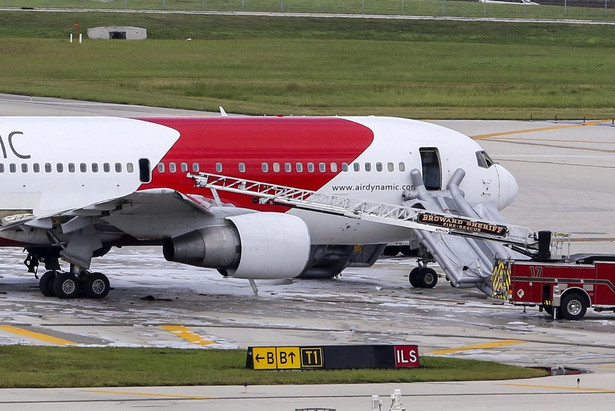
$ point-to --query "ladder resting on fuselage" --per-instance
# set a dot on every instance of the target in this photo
(463, 239)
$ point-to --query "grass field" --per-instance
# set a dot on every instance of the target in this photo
(28, 366)
(274, 65)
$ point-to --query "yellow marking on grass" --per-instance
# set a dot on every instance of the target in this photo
(35, 335)
(186, 334)
(152, 394)
(555, 387)
(531, 130)
(494, 344)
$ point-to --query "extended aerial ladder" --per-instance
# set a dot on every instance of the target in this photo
(436, 225)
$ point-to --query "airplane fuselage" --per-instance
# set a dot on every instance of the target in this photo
(53, 165)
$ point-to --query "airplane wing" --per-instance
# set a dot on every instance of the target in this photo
(142, 215)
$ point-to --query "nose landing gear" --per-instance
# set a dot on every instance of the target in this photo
(423, 277)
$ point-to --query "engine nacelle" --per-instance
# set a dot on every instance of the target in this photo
(256, 245)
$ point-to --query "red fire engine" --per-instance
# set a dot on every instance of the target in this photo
(562, 289)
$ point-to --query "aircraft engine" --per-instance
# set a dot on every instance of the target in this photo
(256, 245)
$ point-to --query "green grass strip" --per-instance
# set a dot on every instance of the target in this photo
(35, 366)
(303, 66)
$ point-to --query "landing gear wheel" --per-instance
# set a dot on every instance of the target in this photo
(96, 285)
(573, 306)
(66, 285)
(414, 277)
(430, 278)
(45, 284)
(423, 277)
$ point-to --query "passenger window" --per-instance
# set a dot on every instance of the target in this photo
(71, 167)
(48, 167)
(13, 168)
(310, 167)
(161, 167)
(322, 167)
(368, 167)
(242, 167)
(1, 168)
(36, 167)
(219, 167)
(130, 167)
(118, 167)
(60, 167)
(94, 167)
(83, 167)
(195, 167)
(276, 167)
(402, 167)
(390, 166)
(288, 167)
(265, 167)
(333, 167)
(184, 167)
(344, 167)
(378, 167)
(106, 167)
(172, 168)
(299, 167)
(24, 168)
(356, 166)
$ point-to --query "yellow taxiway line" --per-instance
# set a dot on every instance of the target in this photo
(152, 394)
(494, 344)
(531, 130)
(35, 335)
(186, 334)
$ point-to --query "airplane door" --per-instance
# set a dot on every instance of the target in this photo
(431, 168)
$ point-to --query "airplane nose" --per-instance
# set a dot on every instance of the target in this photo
(508, 187)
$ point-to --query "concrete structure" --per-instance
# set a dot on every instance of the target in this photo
(117, 33)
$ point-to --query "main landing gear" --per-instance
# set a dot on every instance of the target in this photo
(78, 282)
(82, 283)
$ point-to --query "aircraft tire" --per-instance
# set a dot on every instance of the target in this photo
(66, 285)
(414, 277)
(429, 278)
(45, 284)
(97, 286)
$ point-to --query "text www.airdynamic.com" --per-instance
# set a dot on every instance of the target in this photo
(372, 187)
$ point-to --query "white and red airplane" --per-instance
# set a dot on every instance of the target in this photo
(73, 187)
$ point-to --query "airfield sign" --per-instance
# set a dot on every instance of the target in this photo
(332, 357)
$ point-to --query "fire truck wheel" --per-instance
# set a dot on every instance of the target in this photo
(548, 309)
(573, 306)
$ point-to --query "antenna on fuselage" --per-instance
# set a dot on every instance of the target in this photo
(222, 112)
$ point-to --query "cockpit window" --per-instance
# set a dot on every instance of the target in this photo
(484, 160)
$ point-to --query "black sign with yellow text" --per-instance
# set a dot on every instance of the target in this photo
(332, 357)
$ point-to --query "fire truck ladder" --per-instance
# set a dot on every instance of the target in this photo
(402, 216)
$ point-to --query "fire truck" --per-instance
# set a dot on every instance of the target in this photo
(563, 289)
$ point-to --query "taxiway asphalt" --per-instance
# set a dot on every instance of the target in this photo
(565, 173)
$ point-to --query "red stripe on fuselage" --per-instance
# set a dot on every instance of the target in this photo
(229, 141)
